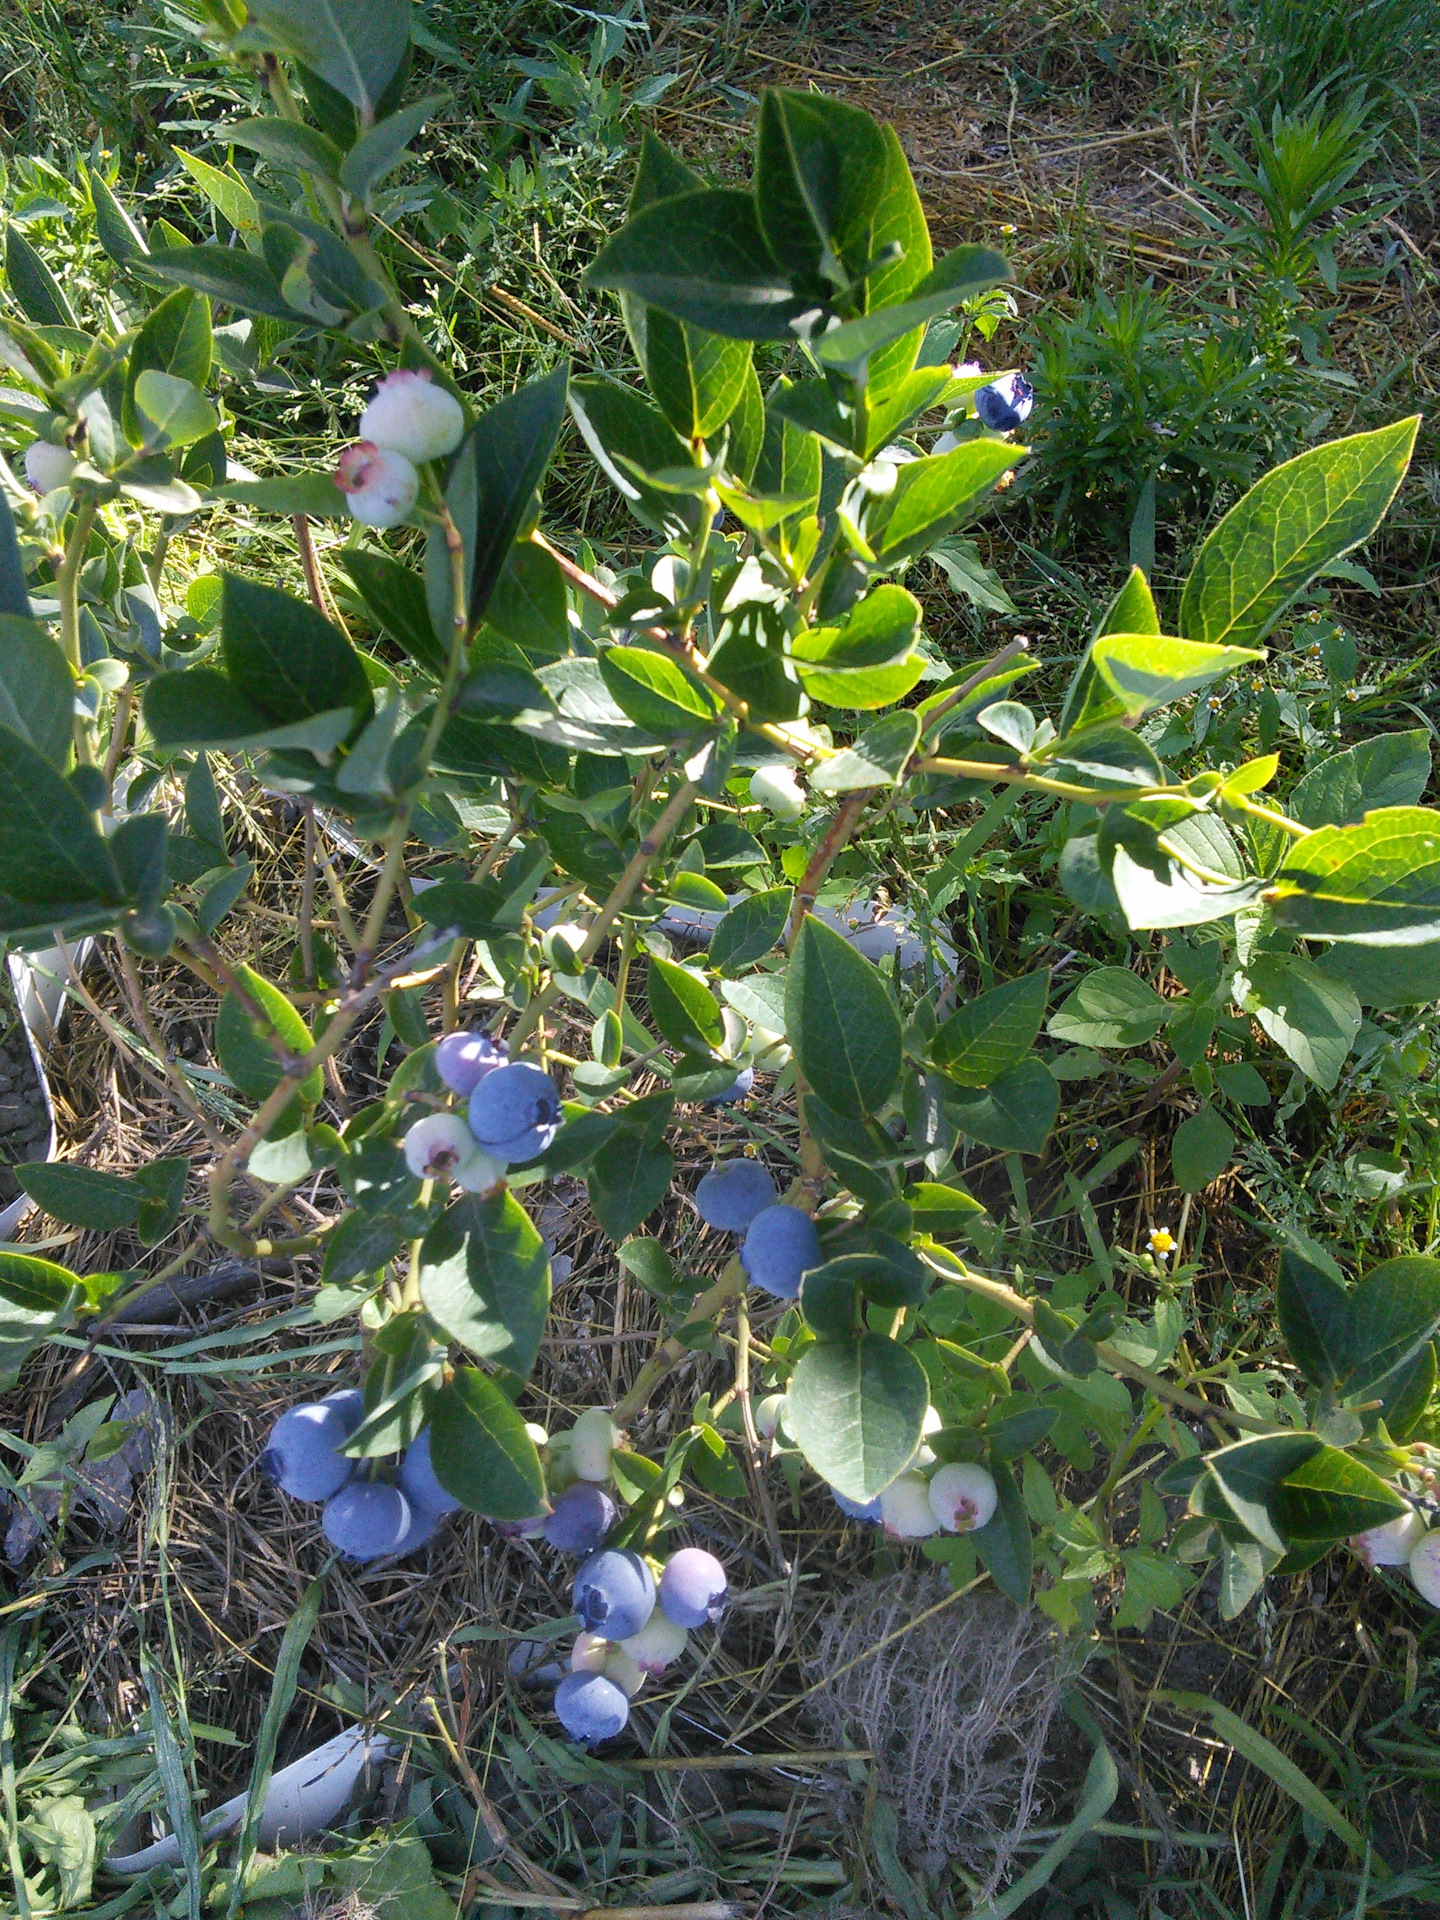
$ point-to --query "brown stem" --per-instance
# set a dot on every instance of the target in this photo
(1020, 644)
(320, 597)
(307, 899)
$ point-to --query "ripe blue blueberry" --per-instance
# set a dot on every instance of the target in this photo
(462, 1060)
(855, 1509)
(693, 1588)
(418, 1482)
(730, 1195)
(301, 1456)
(614, 1593)
(515, 1112)
(591, 1708)
(580, 1518)
(781, 1244)
(533, 1664)
(738, 1089)
(368, 1520)
(420, 1530)
(1005, 404)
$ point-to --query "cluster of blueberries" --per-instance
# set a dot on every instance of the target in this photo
(780, 1244)
(512, 1114)
(366, 1519)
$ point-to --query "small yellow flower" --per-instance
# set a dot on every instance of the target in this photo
(1007, 227)
(1091, 1142)
(1161, 1242)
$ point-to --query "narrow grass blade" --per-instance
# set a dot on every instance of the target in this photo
(1260, 1752)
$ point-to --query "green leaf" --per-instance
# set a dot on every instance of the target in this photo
(35, 1287)
(963, 273)
(290, 143)
(313, 494)
(171, 412)
(751, 929)
(683, 1007)
(243, 1048)
(1331, 1496)
(856, 1409)
(492, 482)
(1111, 1007)
(50, 852)
(1288, 529)
(200, 708)
(628, 437)
(394, 598)
(1284, 1773)
(1385, 977)
(528, 606)
(701, 258)
(878, 757)
(933, 495)
(655, 691)
(228, 274)
(1314, 1314)
(993, 1032)
(175, 339)
(1004, 1542)
(284, 658)
(698, 378)
(485, 1279)
(840, 1021)
(1148, 671)
(33, 287)
(1390, 771)
(117, 233)
(14, 600)
(225, 189)
(1014, 1114)
(862, 689)
(1377, 883)
(1200, 1150)
(1308, 1014)
(1089, 702)
(480, 1450)
(628, 1180)
(356, 47)
(1247, 1477)
(37, 689)
(878, 631)
(380, 150)
(1393, 1311)
(82, 1196)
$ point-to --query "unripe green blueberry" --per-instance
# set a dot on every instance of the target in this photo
(442, 1147)
(777, 790)
(963, 1497)
(905, 1509)
(594, 1654)
(411, 413)
(149, 931)
(381, 487)
(1425, 1566)
(48, 466)
(659, 1642)
(1392, 1544)
(593, 1438)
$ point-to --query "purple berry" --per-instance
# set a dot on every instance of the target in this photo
(591, 1708)
(368, 1520)
(693, 1588)
(580, 1518)
(515, 1112)
(418, 1482)
(1005, 404)
(302, 1455)
(855, 1509)
(730, 1195)
(781, 1245)
(462, 1060)
(738, 1089)
(614, 1593)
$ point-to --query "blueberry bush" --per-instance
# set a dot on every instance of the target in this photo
(615, 807)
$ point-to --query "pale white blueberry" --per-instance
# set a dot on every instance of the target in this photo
(593, 1438)
(1425, 1566)
(768, 1415)
(442, 1147)
(48, 466)
(905, 1509)
(962, 1496)
(380, 487)
(924, 1456)
(1392, 1544)
(658, 1644)
(694, 1588)
(592, 1653)
(778, 791)
(591, 1708)
(411, 414)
